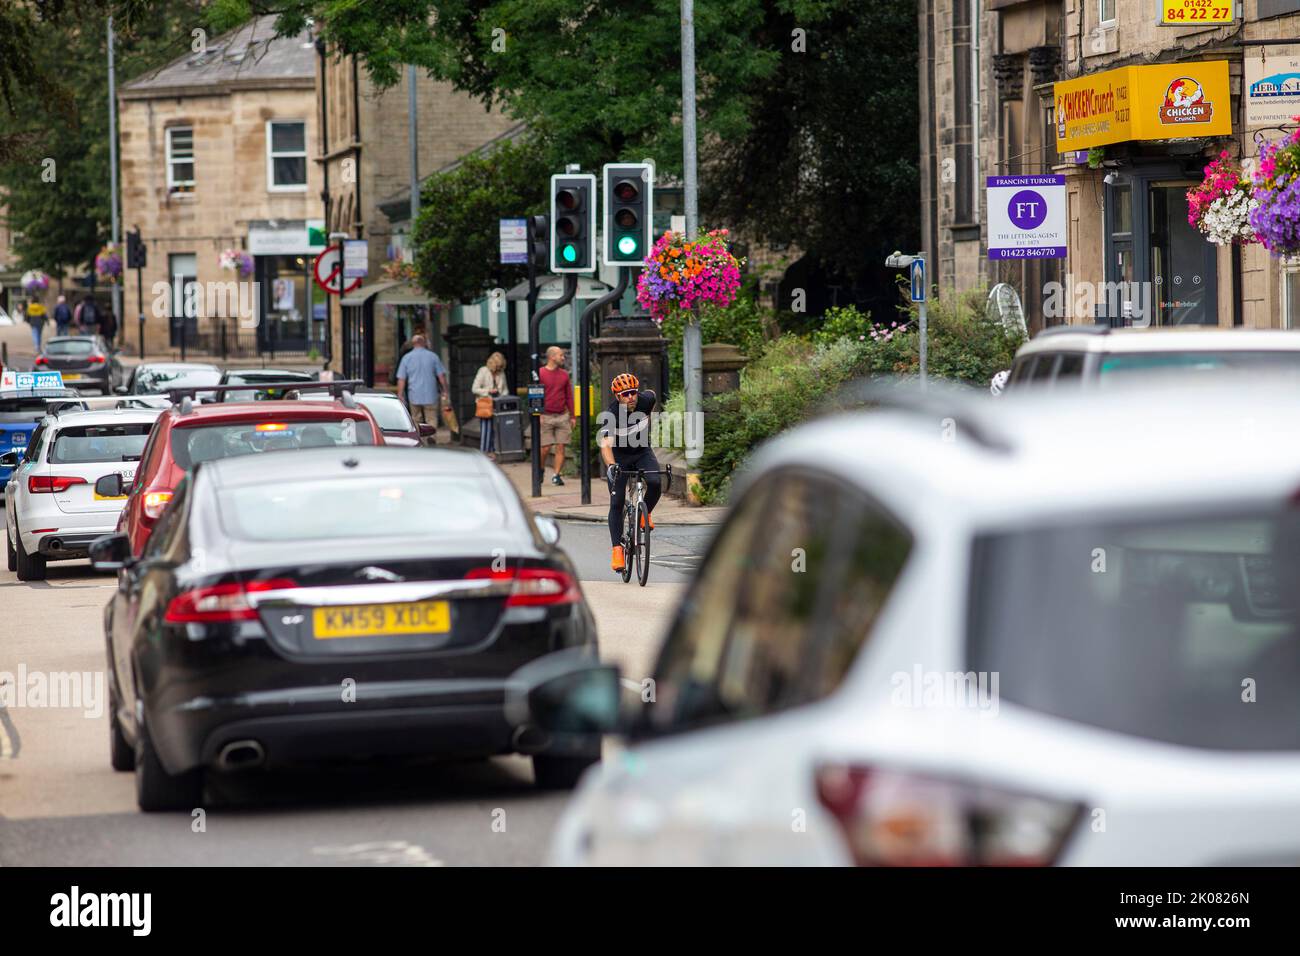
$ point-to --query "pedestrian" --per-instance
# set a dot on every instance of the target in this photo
(557, 410)
(489, 382)
(36, 317)
(62, 316)
(421, 376)
(401, 352)
(108, 326)
(87, 317)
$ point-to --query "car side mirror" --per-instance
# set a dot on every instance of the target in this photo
(122, 390)
(111, 552)
(110, 486)
(426, 430)
(549, 529)
(11, 459)
(570, 696)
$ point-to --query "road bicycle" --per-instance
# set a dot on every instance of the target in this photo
(636, 524)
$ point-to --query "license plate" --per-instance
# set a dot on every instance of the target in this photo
(378, 620)
(99, 497)
(72, 376)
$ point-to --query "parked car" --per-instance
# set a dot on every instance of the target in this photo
(52, 507)
(187, 435)
(20, 413)
(965, 631)
(390, 412)
(86, 361)
(273, 583)
(1097, 355)
(155, 378)
(270, 380)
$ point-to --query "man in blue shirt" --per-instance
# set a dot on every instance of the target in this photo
(420, 377)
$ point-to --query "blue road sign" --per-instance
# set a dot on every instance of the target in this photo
(918, 280)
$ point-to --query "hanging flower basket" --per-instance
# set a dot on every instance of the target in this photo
(1276, 218)
(109, 263)
(400, 270)
(1220, 207)
(681, 275)
(35, 281)
(237, 260)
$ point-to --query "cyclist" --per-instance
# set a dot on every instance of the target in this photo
(625, 447)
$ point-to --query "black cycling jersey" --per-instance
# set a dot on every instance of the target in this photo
(629, 429)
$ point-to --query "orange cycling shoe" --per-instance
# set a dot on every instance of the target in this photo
(618, 562)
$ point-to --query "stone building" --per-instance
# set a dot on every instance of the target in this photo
(1081, 89)
(214, 157)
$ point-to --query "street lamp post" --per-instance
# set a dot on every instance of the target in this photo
(691, 353)
(112, 165)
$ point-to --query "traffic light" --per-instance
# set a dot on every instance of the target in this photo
(137, 256)
(629, 211)
(573, 222)
(539, 243)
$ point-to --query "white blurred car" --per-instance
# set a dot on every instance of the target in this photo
(52, 507)
(1017, 631)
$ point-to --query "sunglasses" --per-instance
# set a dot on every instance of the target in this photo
(626, 392)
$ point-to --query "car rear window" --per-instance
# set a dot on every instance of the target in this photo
(389, 412)
(81, 444)
(371, 507)
(69, 347)
(196, 444)
(158, 379)
(1180, 630)
(1113, 366)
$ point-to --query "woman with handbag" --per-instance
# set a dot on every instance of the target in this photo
(489, 382)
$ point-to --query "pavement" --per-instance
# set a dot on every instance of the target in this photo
(565, 501)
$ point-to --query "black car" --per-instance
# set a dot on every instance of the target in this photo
(86, 361)
(334, 604)
(262, 377)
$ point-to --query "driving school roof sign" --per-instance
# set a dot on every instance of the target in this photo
(14, 381)
(1026, 217)
(1157, 102)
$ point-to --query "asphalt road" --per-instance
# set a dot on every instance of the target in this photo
(61, 803)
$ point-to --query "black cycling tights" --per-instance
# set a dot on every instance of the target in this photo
(646, 461)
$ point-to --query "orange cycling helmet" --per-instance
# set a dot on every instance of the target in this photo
(624, 382)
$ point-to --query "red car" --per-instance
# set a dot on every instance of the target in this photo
(186, 435)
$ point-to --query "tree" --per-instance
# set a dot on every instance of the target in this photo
(54, 148)
(456, 232)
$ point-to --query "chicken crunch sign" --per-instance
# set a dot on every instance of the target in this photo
(1165, 101)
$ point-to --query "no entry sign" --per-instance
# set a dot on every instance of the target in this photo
(328, 270)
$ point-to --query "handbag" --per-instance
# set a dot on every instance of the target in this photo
(449, 418)
(483, 406)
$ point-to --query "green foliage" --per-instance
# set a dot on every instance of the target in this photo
(843, 322)
(456, 234)
(744, 324)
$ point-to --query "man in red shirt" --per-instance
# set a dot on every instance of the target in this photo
(557, 410)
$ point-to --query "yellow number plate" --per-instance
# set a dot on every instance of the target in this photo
(99, 497)
(72, 377)
(381, 620)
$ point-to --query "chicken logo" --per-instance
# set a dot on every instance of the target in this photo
(1185, 103)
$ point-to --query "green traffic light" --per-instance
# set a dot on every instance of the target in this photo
(570, 253)
(627, 245)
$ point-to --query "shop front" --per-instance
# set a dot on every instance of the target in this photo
(1135, 139)
(292, 307)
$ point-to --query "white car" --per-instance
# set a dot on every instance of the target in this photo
(52, 508)
(964, 630)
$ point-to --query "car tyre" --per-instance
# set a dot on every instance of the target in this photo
(560, 773)
(155, 788)
(11, 556)
(28, 567)
(120, 753)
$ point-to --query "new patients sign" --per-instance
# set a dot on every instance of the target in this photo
(1026, 217)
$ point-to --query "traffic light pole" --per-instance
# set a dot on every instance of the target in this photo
(534, 347)
(139, 304)
(584, 376)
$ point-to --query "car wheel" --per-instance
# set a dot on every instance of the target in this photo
(155, 788)
(120, 753)
(29, 567)
(560, 773)
(11, 556)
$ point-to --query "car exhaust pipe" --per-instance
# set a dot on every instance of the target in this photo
(529, 739)
(241, 754)
(56, 544)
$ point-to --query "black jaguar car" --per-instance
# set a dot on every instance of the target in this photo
(330, 604)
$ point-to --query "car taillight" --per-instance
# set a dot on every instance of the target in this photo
(41, 360)
(533, 587)
(96, 360)
(221, 602)
(52, 484)
(155, 502)
(894, 818)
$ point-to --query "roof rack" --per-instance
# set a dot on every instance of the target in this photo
(179, 393)
(1069, 329)
(937, 403)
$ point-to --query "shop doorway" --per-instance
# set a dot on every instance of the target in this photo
(1161, 270)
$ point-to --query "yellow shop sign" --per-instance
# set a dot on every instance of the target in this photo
(1196, 13)
(1161, 101)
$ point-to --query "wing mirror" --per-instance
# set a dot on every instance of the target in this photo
(110, 486)
(549, 529)
(111, 552)
(569, 696)
(11, 459)
(426, 430)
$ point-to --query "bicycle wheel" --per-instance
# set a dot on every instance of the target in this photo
(642, 543)
(629, 543)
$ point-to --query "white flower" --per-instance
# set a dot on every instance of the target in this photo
(1227, 219)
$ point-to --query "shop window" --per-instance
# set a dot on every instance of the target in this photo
(286, 156)
(1276, 8)
(180, 159)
